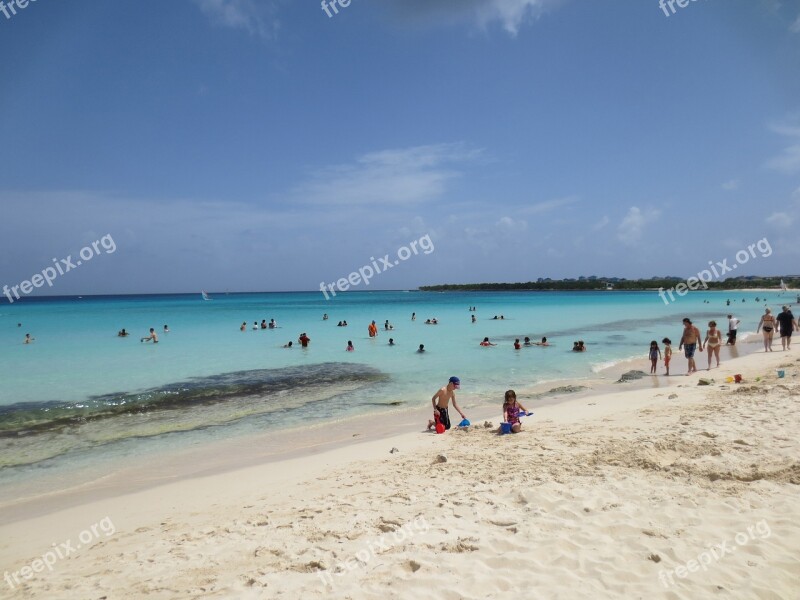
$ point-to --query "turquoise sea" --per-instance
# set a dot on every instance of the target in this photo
(79, 394)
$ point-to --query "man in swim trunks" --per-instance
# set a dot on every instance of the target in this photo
(690, 340)
(787, 325)
(441, 400)
(733, 327)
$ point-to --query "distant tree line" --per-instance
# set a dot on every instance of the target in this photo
(600, 283)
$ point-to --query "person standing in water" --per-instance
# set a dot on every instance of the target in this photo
(667, 353)
(152, 337)
(733, 327)
(655, 355)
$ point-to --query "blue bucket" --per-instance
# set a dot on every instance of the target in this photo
(464, 423)
(505, 428)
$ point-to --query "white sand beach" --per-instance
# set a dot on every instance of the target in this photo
(675, 491)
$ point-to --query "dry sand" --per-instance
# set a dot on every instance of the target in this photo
(682, 491)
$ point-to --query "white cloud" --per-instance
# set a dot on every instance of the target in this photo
(510, 14)
(601, 223)
(548, 205)
(388, 177)
(509, 225)
(780, 220)
(731, 185)
(789, 160)
(630, 230)
(257, 18)
(795, 27)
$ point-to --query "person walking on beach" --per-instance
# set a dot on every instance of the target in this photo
(667, 353)
(787, 325)
(441, 401)
(767, 324)
(689, 342)
(655, 356)
(733, 327)
(713, 342)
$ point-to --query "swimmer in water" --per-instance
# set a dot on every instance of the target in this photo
(151, 338)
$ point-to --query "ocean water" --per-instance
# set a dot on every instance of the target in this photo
(80, 395)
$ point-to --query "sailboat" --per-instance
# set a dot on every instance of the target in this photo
(783, 286)
(205, 296)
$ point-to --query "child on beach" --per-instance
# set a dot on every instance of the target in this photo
(655, 355)
(667, 353)
(441, 401)
(512, 410)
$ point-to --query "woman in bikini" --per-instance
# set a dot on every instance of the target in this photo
(713, 342)
(767, 323)
(512, 410)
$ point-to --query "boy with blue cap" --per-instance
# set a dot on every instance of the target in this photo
(441, 401)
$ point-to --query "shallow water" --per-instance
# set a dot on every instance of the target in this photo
(80, 395)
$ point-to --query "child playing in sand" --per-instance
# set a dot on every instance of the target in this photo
(512, 410)
(655, 355)
(667, 352)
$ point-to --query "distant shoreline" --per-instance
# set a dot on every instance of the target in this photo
(614, 284)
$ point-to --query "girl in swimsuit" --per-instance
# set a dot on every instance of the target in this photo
(512, 410)
(767, 323)
(713, 342)
(655, 354)
(667, 352)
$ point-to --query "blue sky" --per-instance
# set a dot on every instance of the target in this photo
(262, 145)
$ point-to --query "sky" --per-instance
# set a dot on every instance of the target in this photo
(262, 145)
